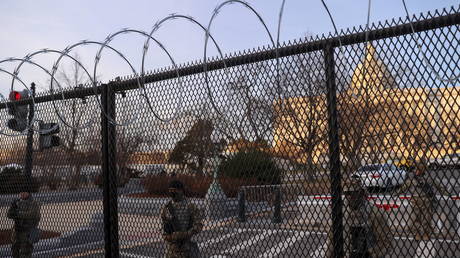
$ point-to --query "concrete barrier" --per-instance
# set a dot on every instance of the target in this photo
(316, 211)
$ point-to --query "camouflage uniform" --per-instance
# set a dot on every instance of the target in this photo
(373, 221)
(423, 202)
(181, 220)
(26, 215)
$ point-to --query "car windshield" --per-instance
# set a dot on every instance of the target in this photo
(387, 166)
(368, 168)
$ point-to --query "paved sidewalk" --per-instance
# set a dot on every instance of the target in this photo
(60, 217)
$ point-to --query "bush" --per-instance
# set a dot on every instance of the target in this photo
(53, 182)
(156, 184)
(196, 186)
(231, 186)
(98, 180)
(252, 164)
(13, 181)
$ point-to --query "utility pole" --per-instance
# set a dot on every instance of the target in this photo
(28, 163)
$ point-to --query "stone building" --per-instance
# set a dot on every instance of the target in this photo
(379, 121)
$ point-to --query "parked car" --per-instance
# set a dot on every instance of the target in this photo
(381, 175)
(450, 161)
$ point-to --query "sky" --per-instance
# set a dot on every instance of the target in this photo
(30, 25)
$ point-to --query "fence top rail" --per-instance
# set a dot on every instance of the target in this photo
(388, 29)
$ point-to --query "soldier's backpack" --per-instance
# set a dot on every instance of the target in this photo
(169, 225)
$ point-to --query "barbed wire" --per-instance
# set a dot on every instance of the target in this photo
(140, 77)
(208, 31)
(156, 26)
(136, 75)
(28, 59)
(452, 79)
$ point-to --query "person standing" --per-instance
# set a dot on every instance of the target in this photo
(25, 212)
(366, 229)
(423, 201)
(181, 220)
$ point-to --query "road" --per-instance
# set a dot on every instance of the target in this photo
(258, 242)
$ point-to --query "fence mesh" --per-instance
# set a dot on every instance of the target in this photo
(335, 150)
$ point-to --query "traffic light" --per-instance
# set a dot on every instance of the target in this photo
(48, 139)
(19, 112)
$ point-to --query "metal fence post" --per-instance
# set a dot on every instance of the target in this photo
(109, 171)
(277, 213)
(241, 206)
(334, 154)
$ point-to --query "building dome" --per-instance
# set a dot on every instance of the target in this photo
(371, 76)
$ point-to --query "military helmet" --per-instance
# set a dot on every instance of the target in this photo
(352, 185)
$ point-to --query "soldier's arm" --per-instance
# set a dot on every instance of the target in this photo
(37, 214)
(164, 221)
(12, 211)
(197, 220)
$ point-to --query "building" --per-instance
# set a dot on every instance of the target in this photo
(378, 120)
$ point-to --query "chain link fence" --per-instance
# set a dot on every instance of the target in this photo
(342, 146)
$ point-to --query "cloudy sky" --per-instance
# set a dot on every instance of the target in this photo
(30, 25)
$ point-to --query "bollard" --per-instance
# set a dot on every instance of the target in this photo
(277, 212)
(241, 207)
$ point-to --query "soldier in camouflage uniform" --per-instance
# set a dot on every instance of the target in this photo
(25, 212)
(423, 201)
(181, 220)
(366, 230)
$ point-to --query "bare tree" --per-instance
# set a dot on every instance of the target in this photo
(74, 111)
(196, 148)
(300, 123)
(247, 109)
(415, 129)
(129, 141)
(355, 116)
(361, 110)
